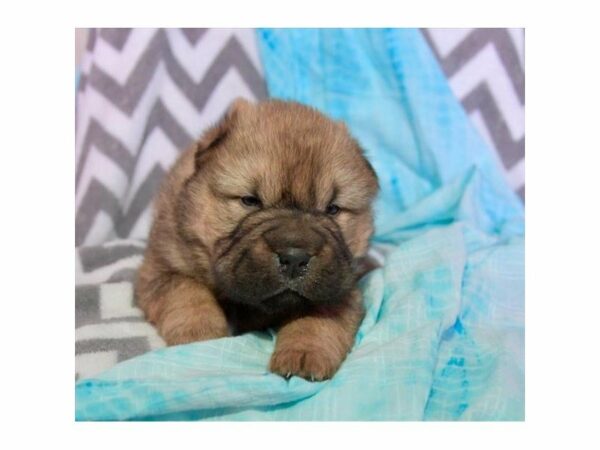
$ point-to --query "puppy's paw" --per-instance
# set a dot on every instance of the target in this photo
(313, 365)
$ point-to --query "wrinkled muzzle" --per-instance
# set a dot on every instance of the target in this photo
(277, 259)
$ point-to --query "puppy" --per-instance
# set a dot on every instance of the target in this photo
(260, 224)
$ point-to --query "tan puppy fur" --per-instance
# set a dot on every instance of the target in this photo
(261, 224)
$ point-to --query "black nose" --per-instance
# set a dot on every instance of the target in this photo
(293, 261)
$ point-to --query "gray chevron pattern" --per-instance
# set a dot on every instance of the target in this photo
(485, 69)
(109, 328)
(144, 95)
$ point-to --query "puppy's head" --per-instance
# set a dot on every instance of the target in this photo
(281, 198)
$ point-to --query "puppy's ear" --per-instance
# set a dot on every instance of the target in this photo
(239, 106)
(218, 134)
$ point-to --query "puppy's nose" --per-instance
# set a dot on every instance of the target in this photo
(293, 261)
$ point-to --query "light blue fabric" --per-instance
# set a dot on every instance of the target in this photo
(443, 338)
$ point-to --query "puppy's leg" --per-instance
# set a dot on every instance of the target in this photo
(314, 346)
(182, 309)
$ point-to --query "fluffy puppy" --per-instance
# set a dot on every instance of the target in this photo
(260, 224)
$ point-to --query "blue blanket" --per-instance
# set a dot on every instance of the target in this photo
(443, 338)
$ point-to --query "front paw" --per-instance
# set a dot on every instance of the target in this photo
(313, 364)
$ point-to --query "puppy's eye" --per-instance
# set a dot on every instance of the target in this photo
(332, 209)
(250, 200)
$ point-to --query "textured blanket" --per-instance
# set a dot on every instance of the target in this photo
(443, 336)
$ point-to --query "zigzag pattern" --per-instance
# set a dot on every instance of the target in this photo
(485, 70)
(143, 85)
(109, 327)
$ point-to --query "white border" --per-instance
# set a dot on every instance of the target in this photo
(562, 77)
